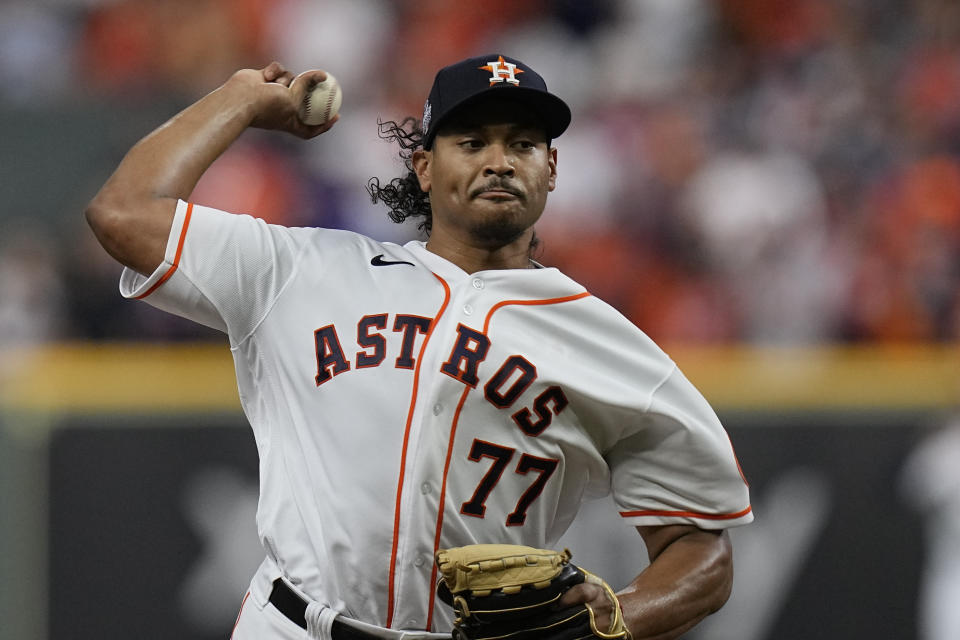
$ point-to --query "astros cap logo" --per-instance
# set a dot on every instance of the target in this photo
(463, 83)
(502, 71)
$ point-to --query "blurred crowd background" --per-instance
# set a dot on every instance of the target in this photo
(750, 171)
(758, 173)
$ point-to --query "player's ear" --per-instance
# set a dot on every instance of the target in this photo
(552, 162)
(422, 162)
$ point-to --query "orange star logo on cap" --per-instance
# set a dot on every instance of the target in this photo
(502, 71)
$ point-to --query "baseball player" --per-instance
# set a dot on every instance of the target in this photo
(406, 399)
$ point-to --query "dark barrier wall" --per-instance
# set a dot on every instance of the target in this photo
(128, 492)
(835, 550)
(152, 532)
(135, 512)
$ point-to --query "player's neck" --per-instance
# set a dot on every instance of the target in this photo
(473, 256)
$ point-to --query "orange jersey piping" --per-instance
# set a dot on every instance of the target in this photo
(403, 452)
(456, 420)
(443, 496)
(237, 623)
(496, 307)
(688, 514)
(176, 257)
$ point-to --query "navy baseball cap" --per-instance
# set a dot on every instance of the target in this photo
(470, 80)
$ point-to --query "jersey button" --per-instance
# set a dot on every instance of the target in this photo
(425, 488)
(437, 408)
(467, 309)
(477, 283)
(419, 561)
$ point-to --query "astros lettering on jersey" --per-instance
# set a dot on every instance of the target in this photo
(401, 405)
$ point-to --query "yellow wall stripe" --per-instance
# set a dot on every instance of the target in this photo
(119, 377)
(854, 377)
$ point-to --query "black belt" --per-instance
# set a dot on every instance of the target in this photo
(290, 604)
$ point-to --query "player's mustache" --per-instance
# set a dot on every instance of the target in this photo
(497, 184)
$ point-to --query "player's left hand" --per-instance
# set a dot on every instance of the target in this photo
(499, 590)
(595, 597)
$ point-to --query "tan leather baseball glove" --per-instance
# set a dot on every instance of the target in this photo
(511, 592)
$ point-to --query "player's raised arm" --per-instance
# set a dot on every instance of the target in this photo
(132, 213)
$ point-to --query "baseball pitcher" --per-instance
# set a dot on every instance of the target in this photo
(430, 416)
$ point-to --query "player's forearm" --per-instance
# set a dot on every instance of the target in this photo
(169, 162)
(689, 579)
(132, 212)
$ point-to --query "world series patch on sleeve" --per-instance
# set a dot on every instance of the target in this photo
(502, 591)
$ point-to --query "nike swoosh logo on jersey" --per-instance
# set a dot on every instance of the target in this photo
(378, 261)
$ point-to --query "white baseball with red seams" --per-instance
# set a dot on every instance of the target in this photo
(321, 102)
(401, 405)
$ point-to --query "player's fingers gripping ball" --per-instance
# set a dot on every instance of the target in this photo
(321, 102)
(511, 592)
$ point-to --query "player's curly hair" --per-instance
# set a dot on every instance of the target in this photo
(403, 195)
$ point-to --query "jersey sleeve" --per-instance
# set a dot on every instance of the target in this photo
(220, 269)
(677, 464)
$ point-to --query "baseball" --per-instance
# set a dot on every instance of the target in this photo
(322, 102)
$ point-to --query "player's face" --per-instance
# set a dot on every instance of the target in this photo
(488, 174)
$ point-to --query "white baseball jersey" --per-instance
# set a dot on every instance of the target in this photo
(401, 405)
